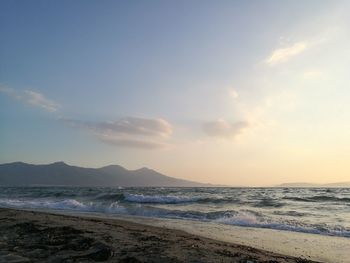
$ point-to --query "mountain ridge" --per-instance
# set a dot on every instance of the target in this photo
(63, 174)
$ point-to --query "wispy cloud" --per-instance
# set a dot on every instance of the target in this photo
(131, 143)
(133, 132)
(223, 128)
(281, 55)
(32, 98)
(127, 126)
(39, 100)
(128, 132)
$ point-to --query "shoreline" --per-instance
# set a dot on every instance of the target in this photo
(316, 247)
(36, 236)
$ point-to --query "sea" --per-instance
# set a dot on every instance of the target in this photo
(324, 211)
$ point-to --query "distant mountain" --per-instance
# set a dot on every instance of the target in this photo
(62, 174)
(300, 185)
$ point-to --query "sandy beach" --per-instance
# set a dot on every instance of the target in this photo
(31, 236)
(316, 247)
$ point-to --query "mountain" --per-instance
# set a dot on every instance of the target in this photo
(302, 185)
(62, 174)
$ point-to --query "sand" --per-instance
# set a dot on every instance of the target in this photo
(330, 249)
(32, 236)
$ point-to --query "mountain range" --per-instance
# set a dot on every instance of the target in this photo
(62, 174)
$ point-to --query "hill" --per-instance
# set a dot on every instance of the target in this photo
(62, 174)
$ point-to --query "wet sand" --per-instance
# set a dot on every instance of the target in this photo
(320, 248)
(31, 236)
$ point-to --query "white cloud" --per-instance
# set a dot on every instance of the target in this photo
(223, 128)
(128, 132)
(281, 55)
(32, 98)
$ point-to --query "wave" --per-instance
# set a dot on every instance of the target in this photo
(246, 218)
(330, 198)
(175, 199)
(63, 204)
(68, 204)
(291, 209)
(110, 196)
(249, 220)
(126, 197)
(319, 198)
(291, 213)
(269, 203)
(159, 199)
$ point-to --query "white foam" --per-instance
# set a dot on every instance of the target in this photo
(251, 220)
(115, 207)
(39, 203)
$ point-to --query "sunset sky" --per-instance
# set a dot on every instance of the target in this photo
(250, 93)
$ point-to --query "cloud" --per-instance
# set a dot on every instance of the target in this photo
(39, 100)
(133, 132)
(127, 126)
(223, 128)
(32, 98)
(128, 132)
(281, 55)
(132, 143)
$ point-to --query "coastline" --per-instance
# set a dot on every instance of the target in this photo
(316, 247)
(35, 236)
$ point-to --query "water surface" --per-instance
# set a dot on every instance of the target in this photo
(309, 210)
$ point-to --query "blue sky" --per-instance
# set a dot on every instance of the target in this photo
(189, 88)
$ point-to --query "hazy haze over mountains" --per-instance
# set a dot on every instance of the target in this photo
(59, 173)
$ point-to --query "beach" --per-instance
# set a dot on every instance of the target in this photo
(33, 236)
(174, 224)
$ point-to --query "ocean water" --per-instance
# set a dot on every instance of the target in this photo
(309, 210)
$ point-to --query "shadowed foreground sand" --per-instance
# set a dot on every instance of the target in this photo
(28, 236)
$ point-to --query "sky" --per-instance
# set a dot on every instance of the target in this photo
(244, 93)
